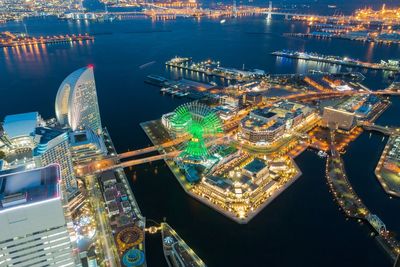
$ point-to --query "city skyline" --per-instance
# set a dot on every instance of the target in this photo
(267, 132)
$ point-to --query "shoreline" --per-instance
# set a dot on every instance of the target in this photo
(216, 208)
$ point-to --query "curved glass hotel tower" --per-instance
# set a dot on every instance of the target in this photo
(76, 101)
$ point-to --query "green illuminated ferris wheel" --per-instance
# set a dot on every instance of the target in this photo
(199, 121)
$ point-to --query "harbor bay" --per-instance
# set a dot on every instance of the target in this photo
(306, 211)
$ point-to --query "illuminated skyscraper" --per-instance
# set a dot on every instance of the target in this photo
(76, 101)
(26, 141)
(34, 230)
(53, 147)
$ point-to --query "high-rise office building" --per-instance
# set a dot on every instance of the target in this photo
(76, 102)
(53, 147)
(86, 146)
(33, 227)
(31, 144)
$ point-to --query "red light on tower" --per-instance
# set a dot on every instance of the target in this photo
(91, 66)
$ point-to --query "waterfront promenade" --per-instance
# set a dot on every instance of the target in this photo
(352, 205)
(140, 220)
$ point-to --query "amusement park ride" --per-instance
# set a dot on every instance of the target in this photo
(198, 121)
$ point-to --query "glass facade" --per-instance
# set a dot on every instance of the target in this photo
(76, 102)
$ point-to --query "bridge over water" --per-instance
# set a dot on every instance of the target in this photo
(386, 130)
(114, 162)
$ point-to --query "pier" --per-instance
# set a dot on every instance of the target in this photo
(333, 35)
(352, 205)
(336, 60)
(213, 68)
(10, 40)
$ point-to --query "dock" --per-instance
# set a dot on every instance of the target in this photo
(213, 68)
(344, 61)
(11, 40)
(182, 87)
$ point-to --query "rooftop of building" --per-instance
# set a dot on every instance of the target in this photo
(219, 182)
(261, 125)
(359, 104)
(255, 165)
(265, 113)
(23, 124)
(108, 177)
(84, 137)
(47, 134)
(31, 186)
(113, 206)
(44, 136)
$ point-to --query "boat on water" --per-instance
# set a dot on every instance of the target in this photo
(222, 21)
(331, 6)
(322, 154)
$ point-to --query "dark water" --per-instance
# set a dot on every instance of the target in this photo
(303, 226)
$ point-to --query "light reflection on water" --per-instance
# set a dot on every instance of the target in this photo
(302, 227)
